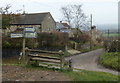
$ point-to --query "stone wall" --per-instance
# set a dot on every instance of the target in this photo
(48, 24)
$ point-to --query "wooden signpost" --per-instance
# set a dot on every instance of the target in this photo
(28, 32)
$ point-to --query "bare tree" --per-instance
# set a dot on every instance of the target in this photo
(67, 12)
(74, 15)
(86, 26)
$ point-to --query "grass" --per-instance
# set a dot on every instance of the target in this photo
(65, 54)
(88, 49)
(111, 35)
(111, 60)
(84, 75)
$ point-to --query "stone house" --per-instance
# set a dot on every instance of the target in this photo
(43, 22)
(94, 34)
(64, 27)
(60, 27)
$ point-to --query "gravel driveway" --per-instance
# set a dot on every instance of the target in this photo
(89, 61)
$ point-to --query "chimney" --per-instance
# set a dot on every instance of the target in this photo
(93, 27)
(60, 21)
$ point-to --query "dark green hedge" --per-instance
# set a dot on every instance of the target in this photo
(48, 40)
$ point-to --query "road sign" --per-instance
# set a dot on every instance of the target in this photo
(29, 29)
(31, 35)
(16, 35)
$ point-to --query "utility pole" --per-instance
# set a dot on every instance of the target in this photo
(108, 34)
(91, 32)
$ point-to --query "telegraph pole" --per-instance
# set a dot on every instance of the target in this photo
(91, 32)
(108, 34)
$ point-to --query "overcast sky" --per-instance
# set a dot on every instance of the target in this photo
(104, 11)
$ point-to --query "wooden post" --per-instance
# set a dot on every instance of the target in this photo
(23, 46)
(61, 59)
(75, 46)
(70, 65)
(36, 62)
(27, 56)
(62, 62)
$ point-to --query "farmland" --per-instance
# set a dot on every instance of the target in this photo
(110, 35)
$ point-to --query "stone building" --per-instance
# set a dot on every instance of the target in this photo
(43, 22)
(94, 34)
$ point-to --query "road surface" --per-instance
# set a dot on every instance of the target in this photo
(90, 61)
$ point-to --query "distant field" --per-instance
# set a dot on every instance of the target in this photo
(111, 35)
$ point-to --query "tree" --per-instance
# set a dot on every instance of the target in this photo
(7, 16)
(67, 12)
(74, 15)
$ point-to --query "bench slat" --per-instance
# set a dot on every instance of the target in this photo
(41, 51)
(44, 56)
(46, 60)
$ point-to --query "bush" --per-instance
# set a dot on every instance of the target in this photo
(99, 40)
(54, 39)
(82, 38)
(114, 46)
(10, 42)
(18, 42)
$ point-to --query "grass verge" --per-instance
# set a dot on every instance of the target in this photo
(111, 60)
(84, 75)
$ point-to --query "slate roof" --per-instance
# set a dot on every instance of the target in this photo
(33, 18)
(66, 25)
(59, 25)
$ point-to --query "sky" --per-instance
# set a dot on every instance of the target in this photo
(103, 11)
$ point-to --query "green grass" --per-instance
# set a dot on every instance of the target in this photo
(111, 35)
(88, 49)
(111, 60)
(65, 54)
(84, 75)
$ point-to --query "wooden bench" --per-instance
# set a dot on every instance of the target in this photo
(46, 58)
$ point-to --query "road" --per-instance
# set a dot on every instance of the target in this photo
(89, 61)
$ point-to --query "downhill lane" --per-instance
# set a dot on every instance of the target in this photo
(90, 61)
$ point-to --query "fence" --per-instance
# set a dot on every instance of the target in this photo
(46, 58)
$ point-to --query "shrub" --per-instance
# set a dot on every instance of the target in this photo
(18, 42)
(31, 43)
(99, 40)
(114, 46)
(84, 38)
(54, 39)
(10, 42)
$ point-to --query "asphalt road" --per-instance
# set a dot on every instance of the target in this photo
(89, 61)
